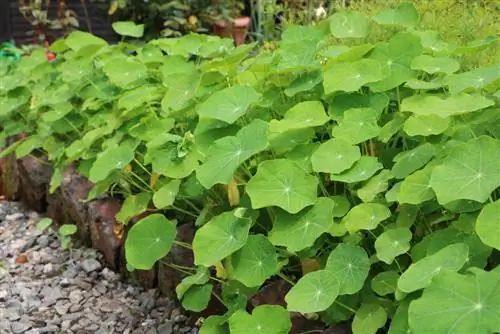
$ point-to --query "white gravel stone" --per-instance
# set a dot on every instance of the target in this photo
(53, 291)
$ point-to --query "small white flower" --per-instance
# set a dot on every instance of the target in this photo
(320, 12)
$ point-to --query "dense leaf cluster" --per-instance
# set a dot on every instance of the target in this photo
(365, 174)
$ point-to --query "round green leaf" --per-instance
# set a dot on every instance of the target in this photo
(282, 183)
(137, 98)
(362, 170)
(416, 188)
(255, 262)
(303, 115)
(377, 184)
(426, 125)
(220, 237)
(335, 156)
(77, 40)
(365, 216)
(27, 146)
(109, 160)
(200, 278)
(337, 313)
(165, 196)
(478, 252)
(434, 65)
(396, 57)
(128, 28)
(421, 273)
(392, 127)
(475, 79)
(180, 90)
(392, 243)
(391, 195)
(349, 25)
(149, 240)
(265, 319)
(385, 282)
(358, 125)
(286, 141)
(350, 265)
(399, 321)
(433, 43)
(215, 324)
(301, 155)
(44, 224)
(416, 84)
(341, 206)
(423, 104)
(369, 318)
(314, 292)
(304, 83)
(351, 76)
(228, 104)
(67, 229)
(342, 102)
(470, 171)
(125, 72)
(167, 162)
(468, 303)
(132, 206)
(226, 154)
(197, 297)
(488, 224)
(406, 15)
(301, 230)
(409, 161)
(57, 112)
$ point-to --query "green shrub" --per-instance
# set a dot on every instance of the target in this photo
(365, 175)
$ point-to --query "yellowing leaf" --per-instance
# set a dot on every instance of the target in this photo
(153, 179)
(220, 271)
(233, 194)
(112, 8)
(128, 168)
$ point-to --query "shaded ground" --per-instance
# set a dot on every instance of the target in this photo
(46, 290)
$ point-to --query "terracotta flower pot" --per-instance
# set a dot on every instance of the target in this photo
(238, 29)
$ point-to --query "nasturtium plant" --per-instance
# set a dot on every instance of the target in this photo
(357, 168)
(471, 169)
(133, 206)
(314, 292)
(335, 156)
(369, 318)
(488, 224)
(157, 233)
(365, 216)
(220, 237)
(404, 15)
(349, 265)
(282, 183)
(392, 243)
(255, 262)
(264, 319)
(420, 274)
(299, 231)
(469, 303)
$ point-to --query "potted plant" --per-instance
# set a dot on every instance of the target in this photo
(228, 20)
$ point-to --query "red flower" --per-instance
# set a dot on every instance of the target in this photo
(51, 56)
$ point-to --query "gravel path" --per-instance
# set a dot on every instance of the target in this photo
(44, 289)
